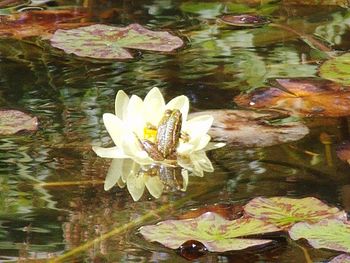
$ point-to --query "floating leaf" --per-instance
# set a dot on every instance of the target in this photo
(108, 42)
(248, 128)
(330, 233)
(39, 23)
(227, 211)
(343, 151)
(301, 97)
(244, 20)
(13, 121)
(343, 258)
(215, 232)
(343, 3)
(337, 69)
(284, 212)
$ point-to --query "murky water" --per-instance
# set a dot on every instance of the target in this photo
(70, 94)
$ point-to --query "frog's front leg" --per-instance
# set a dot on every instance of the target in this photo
(152, 150)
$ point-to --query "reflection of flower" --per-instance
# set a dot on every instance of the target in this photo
(132, 117)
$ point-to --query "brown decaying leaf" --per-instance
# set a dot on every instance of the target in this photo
(244, 20)
(227, 211)
(40, 23)
(13, 121)
(301, 97)
(248, 128)
(343, 151)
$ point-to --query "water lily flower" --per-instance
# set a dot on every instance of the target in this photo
(133, 117)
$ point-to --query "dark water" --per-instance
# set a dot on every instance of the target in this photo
(70, 94)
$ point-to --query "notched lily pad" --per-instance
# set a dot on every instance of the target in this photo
(109, 42)
(343, 151)
(343, 258)
(13, 121)
(215, 232)
(249, 128)
(244, 20)
(300, 97)
(337, 69)
(284, 212)
(329, 233)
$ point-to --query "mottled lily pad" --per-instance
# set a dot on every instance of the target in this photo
(13, 121)
(343, 151)
(300, 97)
(248, 128)
(215, 232)
(284, 212)
(329, 233)
(245, 20)
(343, 258)
(337, 69)
(109, 42)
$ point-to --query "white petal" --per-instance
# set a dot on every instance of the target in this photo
(113, 152)
(121, 104)
(184, 148)
(201, 142)
(154, 106)
(135, 120)
(198, 126)
(201, 162)
(115, 128)
(113, 174)
(214, 145)
(184, 174)
(129, 167)
(181, 103)
(136, 185)
(154, 185)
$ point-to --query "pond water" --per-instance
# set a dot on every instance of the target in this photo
(69, 95)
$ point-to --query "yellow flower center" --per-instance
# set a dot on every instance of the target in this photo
(150, 133)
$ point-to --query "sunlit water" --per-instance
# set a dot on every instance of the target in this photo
(70, 94)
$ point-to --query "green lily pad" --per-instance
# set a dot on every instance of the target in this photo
(215, 232)
(13, 121)
(284, 212)
(108, 42)
(337, 69)
(343, 258)
(329, 233)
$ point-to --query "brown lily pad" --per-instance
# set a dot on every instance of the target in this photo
(343, 151)
(244, 20)
(13, 121)
(108, 42)
(40, 22)
(300, 97)
(227, 211)
(248, 128)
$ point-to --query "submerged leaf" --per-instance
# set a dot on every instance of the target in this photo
(300, 97)
(108, 42)
(13, 121)
(337, 69)
(248, 128)
(244, 20)
(215, 232)
(329, 233)
(39, 23)
(343, 258)
(284, 212)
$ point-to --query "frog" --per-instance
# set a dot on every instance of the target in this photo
(167, 138)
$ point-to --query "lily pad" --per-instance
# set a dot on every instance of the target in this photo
(343, 258)
(343, 151)
(248, 128)
(300, 97)
(109, 42)
(215, 232)
(244, 20)
(330, 233)
(39, 23)
(13, 121)
(337, 69)
(284, 212)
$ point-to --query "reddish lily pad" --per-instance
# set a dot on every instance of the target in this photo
(329, 233)
(39, 23)
(343, 151)
(343, 258)
(284, 212)
(108, 42)
(245, 20)
(215, 232)
(301, 97)
(248, 128)
(337, 69)
(13, 121)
